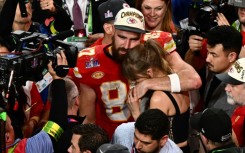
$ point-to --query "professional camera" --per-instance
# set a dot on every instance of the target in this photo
(33, 51)
(202, 15)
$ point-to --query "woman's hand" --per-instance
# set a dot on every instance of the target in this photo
(133, 103)
(47, 5)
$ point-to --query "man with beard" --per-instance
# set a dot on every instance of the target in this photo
(98, 73)
(148, 134)
(235, 90)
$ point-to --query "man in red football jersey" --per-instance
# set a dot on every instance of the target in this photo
(98, 72)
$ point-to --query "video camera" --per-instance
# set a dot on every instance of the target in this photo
(33, 51)
(202, 15)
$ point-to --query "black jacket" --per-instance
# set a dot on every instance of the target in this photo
(230, 148)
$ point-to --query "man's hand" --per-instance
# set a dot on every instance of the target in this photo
(47, 5)
(142, 87)
(61, 60)
(195, 43)
(189, 78)
(221, 19)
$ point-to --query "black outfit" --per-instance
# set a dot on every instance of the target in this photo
(59, 105)
(230, 148)
(63, 143)
(179, 123)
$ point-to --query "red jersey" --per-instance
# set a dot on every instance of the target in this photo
(96, 68)
(237, 119)
(34, 101)
(243, 37)
(165, 39)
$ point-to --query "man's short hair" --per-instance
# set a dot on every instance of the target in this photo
(153, 122)
(227, 36)
(112, 148)
(92, 137)
(71, 91)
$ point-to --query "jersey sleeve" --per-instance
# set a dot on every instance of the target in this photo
(165, 39)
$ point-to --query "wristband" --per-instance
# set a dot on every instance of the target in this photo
(53, 129)
(3, 116)
(175, 82)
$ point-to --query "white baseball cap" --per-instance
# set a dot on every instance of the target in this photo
(235, 74)
(130, 19)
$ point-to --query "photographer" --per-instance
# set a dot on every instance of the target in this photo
(47, 138)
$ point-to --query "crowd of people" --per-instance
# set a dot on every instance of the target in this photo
(131, 90)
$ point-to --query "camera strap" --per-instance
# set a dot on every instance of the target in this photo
(61, 70)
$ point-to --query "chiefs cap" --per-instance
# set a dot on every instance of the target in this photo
(235, 74)
(130, 19)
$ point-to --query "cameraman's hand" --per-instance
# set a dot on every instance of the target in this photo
(195, 43)
(47, 5)
(221, 19)
(61, 61)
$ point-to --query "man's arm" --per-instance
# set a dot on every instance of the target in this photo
(87, 99)
(189, 78)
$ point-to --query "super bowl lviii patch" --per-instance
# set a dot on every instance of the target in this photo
(92, 63)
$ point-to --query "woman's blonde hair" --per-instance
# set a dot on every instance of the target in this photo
(142, 57)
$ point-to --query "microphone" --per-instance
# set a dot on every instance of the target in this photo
(10, 83)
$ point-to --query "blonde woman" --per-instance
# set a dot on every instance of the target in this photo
(143, 62)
